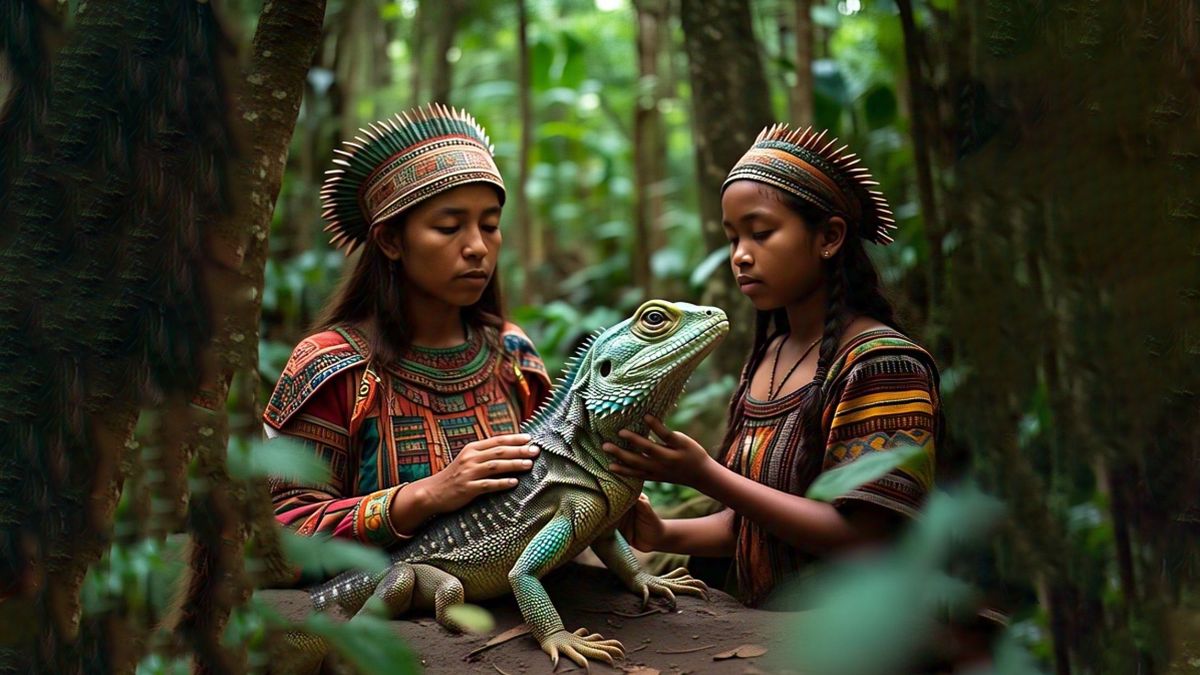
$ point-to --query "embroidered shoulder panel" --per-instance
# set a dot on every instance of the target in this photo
(874, 343)
(316, 360)
(518, 345)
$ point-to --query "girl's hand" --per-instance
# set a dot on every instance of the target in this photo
(677, 459)
(476, 470)
(642, 527)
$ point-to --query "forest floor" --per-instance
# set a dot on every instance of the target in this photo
(686, 640)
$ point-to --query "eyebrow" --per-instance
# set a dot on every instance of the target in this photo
(460, 211)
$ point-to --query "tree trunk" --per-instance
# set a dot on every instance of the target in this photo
(649, 148)
(532, 247)
(416, 49)
(802, 91)
(284, 44)
(108, 213)
(1069, 142)
(449, 15)
(925, 123)
(730, 105)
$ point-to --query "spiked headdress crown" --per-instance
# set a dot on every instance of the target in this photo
(802, 163)
(398, 162)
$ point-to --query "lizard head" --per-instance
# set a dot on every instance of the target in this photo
(640, 366)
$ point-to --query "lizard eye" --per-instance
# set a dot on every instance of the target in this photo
(654, 320)
(605, 368)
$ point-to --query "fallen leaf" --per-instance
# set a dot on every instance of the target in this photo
(741, 652)
(510, 634)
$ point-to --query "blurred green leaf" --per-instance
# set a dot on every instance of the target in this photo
(368, 643)
(472, 618)
(711, 263)
(836, 482)
(879, 104)
(281, 457)
(1012, 658)
(325, 556)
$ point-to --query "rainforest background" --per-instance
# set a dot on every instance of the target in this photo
(161, 247)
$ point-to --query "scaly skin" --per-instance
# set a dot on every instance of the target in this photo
(507, 541)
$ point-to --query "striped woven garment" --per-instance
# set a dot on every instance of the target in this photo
(881, 393)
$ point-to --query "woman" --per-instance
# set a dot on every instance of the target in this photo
(829, 378)
(413, 387)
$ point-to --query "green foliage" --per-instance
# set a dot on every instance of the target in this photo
(472, 618)
(280, 457)
(878, 614)
(367, 643)
(836, 482)
(321, 557)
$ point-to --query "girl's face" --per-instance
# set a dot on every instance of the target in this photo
(448, 244)
(776, 257)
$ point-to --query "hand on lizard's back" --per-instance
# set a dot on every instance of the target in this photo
(481, 467)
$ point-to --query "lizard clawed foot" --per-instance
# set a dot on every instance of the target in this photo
(578, 646)
(676, 581)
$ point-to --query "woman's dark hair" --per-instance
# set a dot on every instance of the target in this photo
(853, 288)
(377, 289)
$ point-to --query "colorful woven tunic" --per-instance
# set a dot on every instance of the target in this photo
(881, 393)
(379, 429)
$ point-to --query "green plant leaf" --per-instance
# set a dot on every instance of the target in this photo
(324, 556)
(369, 644)
(472, 618)
(281, 457)
(837, 482)
(711, 263)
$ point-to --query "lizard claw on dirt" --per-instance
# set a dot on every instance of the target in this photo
(581, 644)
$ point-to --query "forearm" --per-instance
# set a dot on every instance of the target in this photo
(710, 535)
(807, 524)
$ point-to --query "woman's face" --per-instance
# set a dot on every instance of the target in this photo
(775, 256)
(449, 244)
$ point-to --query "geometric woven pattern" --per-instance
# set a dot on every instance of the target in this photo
(803, 164)
(881, 393)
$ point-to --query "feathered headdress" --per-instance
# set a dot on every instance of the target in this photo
(803, 164)
(400, 162)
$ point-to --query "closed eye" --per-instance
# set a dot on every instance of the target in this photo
(761, 236)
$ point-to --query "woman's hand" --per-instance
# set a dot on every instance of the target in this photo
(476, 471)
(677, 459)
(642, 527)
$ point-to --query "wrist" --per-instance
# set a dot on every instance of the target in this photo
(707, 475)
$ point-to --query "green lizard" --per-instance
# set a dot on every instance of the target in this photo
(569, 500)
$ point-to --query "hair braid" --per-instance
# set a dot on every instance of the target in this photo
(836, 315)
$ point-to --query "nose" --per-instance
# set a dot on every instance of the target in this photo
(741, 257)
(474, 246)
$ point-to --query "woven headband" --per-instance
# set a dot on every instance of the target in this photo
(403, 161)
(803, 164)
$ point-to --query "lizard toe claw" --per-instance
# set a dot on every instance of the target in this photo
(580, 645)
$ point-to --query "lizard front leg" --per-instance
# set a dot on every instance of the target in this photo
(545, 551)
(615, 553)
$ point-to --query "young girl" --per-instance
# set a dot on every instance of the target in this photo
(414, 386)
(829, 377)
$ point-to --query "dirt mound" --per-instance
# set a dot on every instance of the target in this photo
(668, 642)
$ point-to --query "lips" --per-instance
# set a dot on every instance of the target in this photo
(745, 281)
(479, 275)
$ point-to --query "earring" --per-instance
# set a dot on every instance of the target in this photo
(825, 253)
